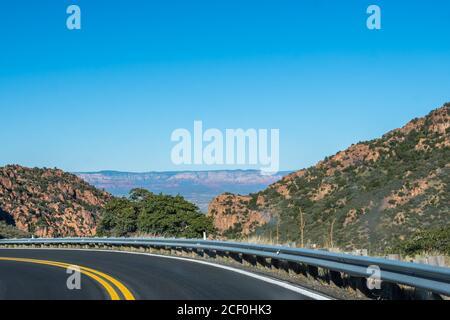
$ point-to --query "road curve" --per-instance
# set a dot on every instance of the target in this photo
(144, 276)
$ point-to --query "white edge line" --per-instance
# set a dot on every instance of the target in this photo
(297, 289)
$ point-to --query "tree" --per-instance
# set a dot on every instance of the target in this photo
(331, 233)
(147, 212)
(278, 228)
(302, 228)
(118, 218)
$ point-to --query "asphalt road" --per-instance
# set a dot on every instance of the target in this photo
(42, 274)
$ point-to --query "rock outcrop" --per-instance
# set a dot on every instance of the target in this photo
(49, 202)
(233, 214)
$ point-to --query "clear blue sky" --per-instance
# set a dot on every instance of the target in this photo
(108, 96)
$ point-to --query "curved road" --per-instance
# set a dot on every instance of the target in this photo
(42, 274)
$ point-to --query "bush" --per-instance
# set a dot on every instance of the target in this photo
(9, 231)
(435, 240)
(145, 212)
(119, 218)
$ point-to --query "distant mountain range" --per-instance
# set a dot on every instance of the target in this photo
(199, 187)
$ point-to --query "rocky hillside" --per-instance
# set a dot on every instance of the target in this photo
(372, 195)
(48, 202)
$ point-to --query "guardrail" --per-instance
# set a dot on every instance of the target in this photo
(430, 278)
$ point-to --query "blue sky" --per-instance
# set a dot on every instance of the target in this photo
(108, 96)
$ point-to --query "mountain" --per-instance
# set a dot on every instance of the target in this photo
(373, 195)
(47, 202)
(199, 187)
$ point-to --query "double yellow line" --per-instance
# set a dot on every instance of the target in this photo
(107, 282)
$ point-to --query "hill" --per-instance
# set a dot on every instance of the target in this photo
(373, 195)
(47, 202)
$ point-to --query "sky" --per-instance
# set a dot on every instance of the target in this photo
(108, 96)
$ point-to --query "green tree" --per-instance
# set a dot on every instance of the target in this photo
(119, 218)
(160, 214)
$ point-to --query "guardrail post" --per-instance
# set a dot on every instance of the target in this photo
(235, 256)
(280, 264)
(193, 252)
(249, 259)
(298, 268)
(313, 271)
(262, 262)
(221, 255)
(211, 253)
(336, 278)
(390, 291)
(173, 251)
(200, 252)
(358, 284)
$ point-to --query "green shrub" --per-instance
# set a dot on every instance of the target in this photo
(435, 240)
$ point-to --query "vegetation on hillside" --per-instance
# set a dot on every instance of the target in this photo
(8, 231)
(7, 227)
(372, 195)
(149, 213)
(49, 202)
(426, 241)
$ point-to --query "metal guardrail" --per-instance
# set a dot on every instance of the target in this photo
(426, 277)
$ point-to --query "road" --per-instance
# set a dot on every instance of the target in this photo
(42, 274)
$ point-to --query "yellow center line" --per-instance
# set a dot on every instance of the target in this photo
(124, 290)
(93, 274)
